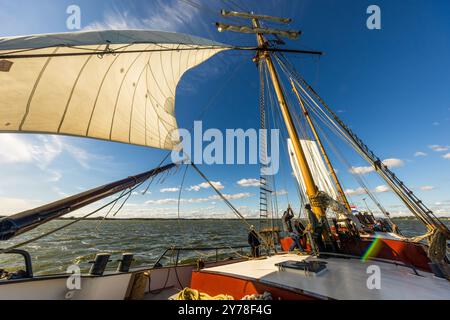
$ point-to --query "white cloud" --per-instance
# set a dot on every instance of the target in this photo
(236, 196)
(382, 189)
(54, 176)
(355, 192)
(420, 154)
(15, 205)
(59, 192)
(41, 150)
(446, 156)
(281, 192)
(360, 191)
(80, 155)
(169, 190)
(436, 123)
(17, 149)
(427, 188)
(162, 15)
(361, 170)
(393, 163)
(438, 148)
(390, 163)
(162, 201)
(205, 185)
(212, 199)
(249, 183)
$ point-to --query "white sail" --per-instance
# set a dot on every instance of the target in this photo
(316, 164)
(126, 96)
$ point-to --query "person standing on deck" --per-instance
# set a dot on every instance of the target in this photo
(296, 235)
(253, 241)
(317, 228)
(287, 220)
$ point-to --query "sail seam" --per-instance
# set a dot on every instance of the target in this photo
(33, 91)
(120, 91)
(98, 94)
(164, 74)
(157, 84)
(132, 103)
(73, 90)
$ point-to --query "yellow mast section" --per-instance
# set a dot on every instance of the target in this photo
(311, 188)
(338, 185)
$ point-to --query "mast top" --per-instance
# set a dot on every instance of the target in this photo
(256, 28)
(251, 15)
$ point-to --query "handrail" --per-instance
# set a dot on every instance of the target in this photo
(27, 258)
(178, 249)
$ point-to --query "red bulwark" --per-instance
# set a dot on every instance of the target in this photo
(409, 253)
(215, 284)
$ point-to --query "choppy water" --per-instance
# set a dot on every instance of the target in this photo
(146, 239)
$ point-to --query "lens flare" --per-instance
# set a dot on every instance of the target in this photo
(372, 250)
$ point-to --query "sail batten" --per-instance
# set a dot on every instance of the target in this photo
(107, 95)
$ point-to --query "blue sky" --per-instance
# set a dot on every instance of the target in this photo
(390, 85)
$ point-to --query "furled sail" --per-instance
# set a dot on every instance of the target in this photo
(110, 85)
(316, 164)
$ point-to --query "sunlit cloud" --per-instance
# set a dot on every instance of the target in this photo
(438, 148)
(281, 192)
(355, 192)
(249, 183)
(382, 189)
(420, 154)
(390, 163)
(361, 191)
(212, 199)
(165, 190)
(205, 185)
(163, 15)
(11, 205)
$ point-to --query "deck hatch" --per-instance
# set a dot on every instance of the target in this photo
(305, 267)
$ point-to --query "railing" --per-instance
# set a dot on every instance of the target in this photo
(28, 263)
(177, 250)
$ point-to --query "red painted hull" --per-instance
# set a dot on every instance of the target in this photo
(216, 284)
(390, 249)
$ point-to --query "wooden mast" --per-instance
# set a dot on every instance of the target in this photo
(311, 188)
(322, 149)
(264, 54)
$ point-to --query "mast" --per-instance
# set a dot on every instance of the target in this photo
(263, 54)
(311, 187)
(322, 149)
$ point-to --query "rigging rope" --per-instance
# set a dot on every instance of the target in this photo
(66, 225)
(406, 195)
(228, 203)
(181, 191)
(338, 132)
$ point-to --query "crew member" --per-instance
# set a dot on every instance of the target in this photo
(287, 220)
(253, 241)
(296, 235)
(317, 228)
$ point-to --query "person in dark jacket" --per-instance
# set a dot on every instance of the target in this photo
(317, 228)
(287, 217)
(253, 241)
(296, 235)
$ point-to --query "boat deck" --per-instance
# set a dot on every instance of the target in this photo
(344, 279)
